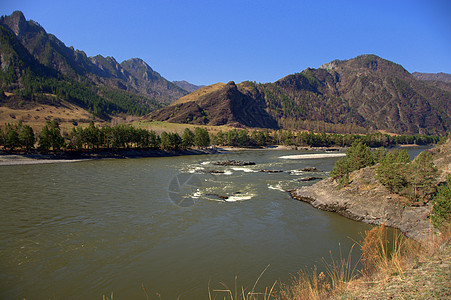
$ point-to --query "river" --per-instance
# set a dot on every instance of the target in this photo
(86, 229)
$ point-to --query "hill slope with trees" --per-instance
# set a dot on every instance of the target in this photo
(363, 94)
(36, 64)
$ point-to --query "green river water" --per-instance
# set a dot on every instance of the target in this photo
(82, 230)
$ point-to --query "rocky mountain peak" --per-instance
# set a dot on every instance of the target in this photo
(137, 64)
(330, 65)
(16, 22)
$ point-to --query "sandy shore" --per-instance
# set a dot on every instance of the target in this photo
(7, 159)
(313, 156)
(12, 160)
(67, 157)
(277, 147)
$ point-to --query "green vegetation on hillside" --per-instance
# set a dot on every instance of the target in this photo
(441, 213)
(415, 180)
(38, 68)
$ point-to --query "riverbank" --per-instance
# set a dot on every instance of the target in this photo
(422, 273)
(368, 201)
(409, 271)
(9, 159)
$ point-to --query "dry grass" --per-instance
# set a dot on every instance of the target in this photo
(382, 260)
(37, 116)
(110, 298)
(308, 284)
(160, 126)
(196, 94)
(402, 268)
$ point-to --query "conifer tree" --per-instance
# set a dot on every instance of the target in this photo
(422, 176)
(187, 138)
(392, 170)
(201, 137)
(441, 212)
(26, 137)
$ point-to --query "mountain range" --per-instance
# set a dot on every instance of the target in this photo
(131, 86)
(363, 94)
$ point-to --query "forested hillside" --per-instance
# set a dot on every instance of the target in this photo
(359, 95)
(36, 67)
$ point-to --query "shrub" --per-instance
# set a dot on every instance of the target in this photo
(441, 213)
(357, 157)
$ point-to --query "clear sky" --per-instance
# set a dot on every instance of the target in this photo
(205, 42)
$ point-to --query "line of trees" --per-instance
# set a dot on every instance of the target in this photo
(19, 136)
(243, 138)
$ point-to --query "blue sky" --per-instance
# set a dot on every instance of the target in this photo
(205, 42)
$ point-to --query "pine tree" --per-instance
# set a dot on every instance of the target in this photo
(50, 137)
(422, 176)
(26, 137)
(392, 170)
(187, 138)
(201, 137)
(358, 156)
(91, 135)
(12, 138)
(441, 213)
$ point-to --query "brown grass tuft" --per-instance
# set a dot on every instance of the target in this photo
(372, 249)
(311, 285)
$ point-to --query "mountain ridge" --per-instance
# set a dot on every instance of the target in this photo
(366, 93)
(187, 86)
(141, 88)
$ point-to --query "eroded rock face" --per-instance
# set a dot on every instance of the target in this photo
(366, 200)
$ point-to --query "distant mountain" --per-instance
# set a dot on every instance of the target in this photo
(440, 80)
(130, 87)
(187, 86)
(363, 94)
(433, 76)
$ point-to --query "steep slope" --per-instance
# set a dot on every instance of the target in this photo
(148, 82)
(220, 105)
(136, 90)
(28, 82)
(200, 92)
(363, 94)
(46, 48)
(370, 92)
